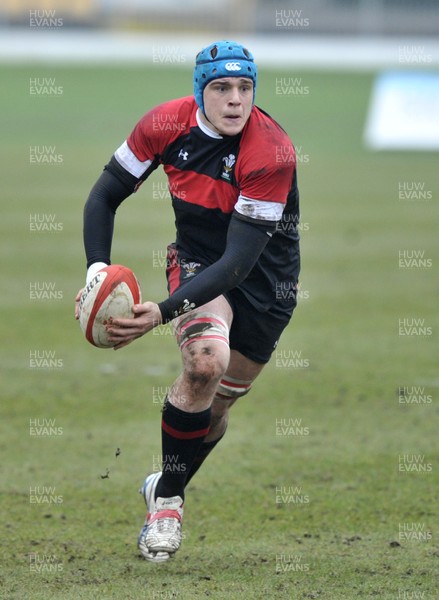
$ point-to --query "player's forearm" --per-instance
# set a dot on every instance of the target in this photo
(245, 243)
(99, 211)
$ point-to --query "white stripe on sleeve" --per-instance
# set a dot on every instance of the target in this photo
(259, 209)
(129, 161)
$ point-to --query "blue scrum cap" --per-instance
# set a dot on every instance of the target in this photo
(222, 59)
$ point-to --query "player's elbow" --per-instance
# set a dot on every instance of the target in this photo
(236, 275)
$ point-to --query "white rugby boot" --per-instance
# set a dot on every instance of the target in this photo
(160, 536)
(148, 492)
(163, 529)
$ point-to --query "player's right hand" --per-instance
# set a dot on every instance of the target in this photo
(146, 317)
(77, 299)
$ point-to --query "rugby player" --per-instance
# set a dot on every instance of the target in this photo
(233, 185)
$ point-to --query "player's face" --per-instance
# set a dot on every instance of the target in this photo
(228, 103)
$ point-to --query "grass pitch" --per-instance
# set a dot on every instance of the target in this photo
(326, 483)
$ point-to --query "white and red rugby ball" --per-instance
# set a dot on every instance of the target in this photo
(112, 292)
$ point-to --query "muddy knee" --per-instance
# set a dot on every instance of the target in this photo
(204, 341)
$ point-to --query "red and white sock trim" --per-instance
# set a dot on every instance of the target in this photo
(229, 387)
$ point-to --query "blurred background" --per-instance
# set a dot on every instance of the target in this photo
(336, 17)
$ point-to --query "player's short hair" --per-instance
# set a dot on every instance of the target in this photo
(222, 59)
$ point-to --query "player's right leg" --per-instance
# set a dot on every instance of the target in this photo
(148, 493)
(202, 336)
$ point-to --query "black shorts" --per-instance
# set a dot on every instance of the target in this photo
(253, 333)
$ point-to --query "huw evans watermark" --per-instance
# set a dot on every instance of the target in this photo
(287, 563)
(44, 563)
(44, 428)
(414, 394)
(414, 463)
(290, 426)
(44, 495)
(45, 87)
(287, 494)
(44, 290)
(413, 191)
(416, 532)
(45, 19)
(44, 222)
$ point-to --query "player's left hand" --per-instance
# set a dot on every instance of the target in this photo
(124, 331)
(77, 299)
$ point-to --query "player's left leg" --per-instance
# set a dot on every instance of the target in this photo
(253, 337)
(235, 383)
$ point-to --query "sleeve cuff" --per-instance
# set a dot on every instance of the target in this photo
(93, 269)
(165, 311)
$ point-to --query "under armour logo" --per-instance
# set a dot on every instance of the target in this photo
(233, 66)
(184, 155)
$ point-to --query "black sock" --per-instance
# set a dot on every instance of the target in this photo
(204, 451)
(182, 435)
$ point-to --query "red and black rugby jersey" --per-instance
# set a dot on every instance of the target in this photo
(211, 176)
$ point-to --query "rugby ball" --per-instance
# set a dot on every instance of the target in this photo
(112, 292)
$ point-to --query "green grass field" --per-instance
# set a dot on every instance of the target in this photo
(342, 504)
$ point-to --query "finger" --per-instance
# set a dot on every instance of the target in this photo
(141, 308)
(124, 337)
(122, 323)
(121, 333)
(77, 299)
(118, 335)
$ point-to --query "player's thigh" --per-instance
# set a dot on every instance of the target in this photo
(203, 335)
(241, 367)
(216, 307)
